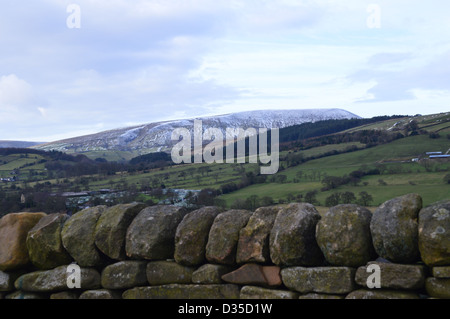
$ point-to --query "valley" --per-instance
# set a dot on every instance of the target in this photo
(366, 164)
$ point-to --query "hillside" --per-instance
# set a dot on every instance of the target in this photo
(379, 159)
(17, 144)
(395, 174)
(126, 143)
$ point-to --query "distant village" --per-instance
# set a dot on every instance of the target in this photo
(83, 199)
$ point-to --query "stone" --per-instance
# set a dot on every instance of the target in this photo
(438, 287)
(177, 291)
(44, 242)
(192, 234)
(439, 272)
(395, 276)
(7, 280)
(168, 272)
(293, 236)
(78, 237)
(26, 295)
(111, 229)
(210, 274)
(381, 294)
(65, 295)
(151, 235)
(434, 234)
(327, 280)
(101, 294)
(55, 280)
(224, 236)
(394, 229)
(311, 296)
(124, 275)
(254, 292)
(343, 235)
(253, 244)
(255, 275)
(14, 228)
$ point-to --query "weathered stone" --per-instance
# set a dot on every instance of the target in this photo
(210, 274)
(253, 292)
(101, 294)
(7, 280)
(168, 272)
(151, 234)
(293, 236)
(253, 274)
(56, 280)
(253, 244)
(192, 236)
(14, 229)
(177, 291)
(26, 295)
(111, 229)
(441, 272)
(394, 229)
(438, 287)
(434, 234)
(327, 280)
(381, 294)
(78, 237)
(320, 296)
(343, 235)
(124, 275)
(44, 242)
(224, 235)
(395, 276)
(65, 295)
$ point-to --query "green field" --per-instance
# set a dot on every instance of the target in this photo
(431, 123)
(20, 162)
(429, 185)
(398, 174)
(320, 150)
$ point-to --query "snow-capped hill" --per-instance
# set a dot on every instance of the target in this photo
(280, 118)
(157, 136)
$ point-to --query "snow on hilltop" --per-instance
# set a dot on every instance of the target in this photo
(157, 136)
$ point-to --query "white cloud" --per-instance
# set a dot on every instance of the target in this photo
(43, 111)
(14, 93)
(21, 108)
(399, 81)
(389, 58)
(147, 60)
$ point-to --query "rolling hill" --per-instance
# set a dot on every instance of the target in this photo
(17, 144)
(382, 158)
(125, 143)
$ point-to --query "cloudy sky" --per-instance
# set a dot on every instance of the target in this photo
(69, 68)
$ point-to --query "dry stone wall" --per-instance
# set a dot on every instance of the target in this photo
(131, 251)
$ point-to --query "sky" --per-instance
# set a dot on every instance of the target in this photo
(71, 68)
